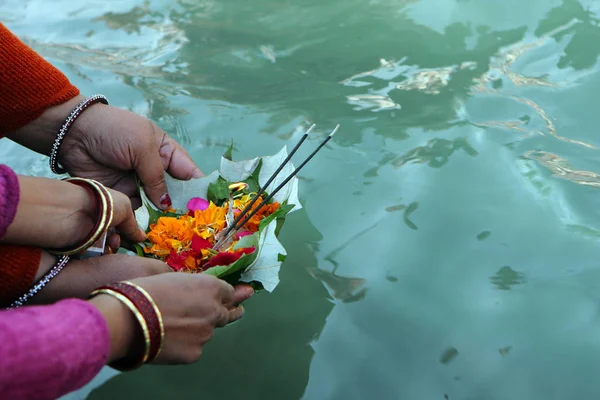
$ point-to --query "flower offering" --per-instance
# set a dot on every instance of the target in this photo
(226, 224)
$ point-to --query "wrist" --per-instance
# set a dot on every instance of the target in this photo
(125, 332)
(66, 211)
(39, 135)
(47, 261)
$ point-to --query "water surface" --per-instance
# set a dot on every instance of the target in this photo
(448, 248)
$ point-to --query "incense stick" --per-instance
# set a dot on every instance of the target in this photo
(235, 226)
(266, 185)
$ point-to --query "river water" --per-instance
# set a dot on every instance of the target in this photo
(448, 248)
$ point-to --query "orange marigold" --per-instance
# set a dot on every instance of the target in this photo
(208, 222)
(266, 210)
(170, 233)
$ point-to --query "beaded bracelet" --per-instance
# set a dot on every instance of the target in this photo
(148, 315)
(60, 264)
(105, 211)
(77, 111)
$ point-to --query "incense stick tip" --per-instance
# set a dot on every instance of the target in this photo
(335, 130)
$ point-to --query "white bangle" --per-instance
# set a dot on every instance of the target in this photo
(97, 98)
(60, 264)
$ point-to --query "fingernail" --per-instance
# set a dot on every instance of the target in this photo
(197, 174)
(143, 233)
(165, 201)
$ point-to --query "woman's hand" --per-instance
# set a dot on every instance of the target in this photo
(112, 146)
(80, 277)
(192, 306)
(55, 214)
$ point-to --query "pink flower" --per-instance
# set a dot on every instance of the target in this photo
(197, 204)
(241, 234)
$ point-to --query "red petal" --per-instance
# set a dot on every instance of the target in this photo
(199, 243)
(227, 258)
(176, 261)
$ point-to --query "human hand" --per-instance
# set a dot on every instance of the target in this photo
(112, 145)
(79, 277)
(192, 306)
(66, 212)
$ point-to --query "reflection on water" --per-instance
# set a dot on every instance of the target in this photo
(506, 277)
(561, 168)
(343, 288)
(451, 111)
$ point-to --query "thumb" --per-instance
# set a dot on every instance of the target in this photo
(151, 173)
(177, 160)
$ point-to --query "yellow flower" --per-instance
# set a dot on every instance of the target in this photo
(208, 222)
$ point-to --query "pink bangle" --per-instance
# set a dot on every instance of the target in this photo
(97, 98)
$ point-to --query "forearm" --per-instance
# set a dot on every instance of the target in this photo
(50, 213)
(39, 134)
(29, 85)
(48, 351)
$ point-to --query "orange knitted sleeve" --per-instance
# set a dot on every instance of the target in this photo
(18, 267)
(28, 84)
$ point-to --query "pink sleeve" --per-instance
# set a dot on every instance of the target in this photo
(48, 351)
(9, 198)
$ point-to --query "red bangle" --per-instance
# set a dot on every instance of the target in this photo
(104, 210)
(148, 315)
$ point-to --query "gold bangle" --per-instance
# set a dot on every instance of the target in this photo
(105, 215)
(108, 199)
(158, 315)
(140, 319)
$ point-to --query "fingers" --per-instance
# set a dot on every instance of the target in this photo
(150, 170)
(113, 242)
(227, 293)
(241, 293)
(129, 187)
(236, 313)
(227, 316)
(175, 159)
(80, 277)
(124, 219)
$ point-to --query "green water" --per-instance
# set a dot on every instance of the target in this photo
(449, 245)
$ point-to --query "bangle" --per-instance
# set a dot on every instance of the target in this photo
(60, 264)
(148, 316)
(77, 111)
(105, 212)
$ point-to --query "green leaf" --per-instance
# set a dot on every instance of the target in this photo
(279, 225)
(281, 212)
(139, 250)
(252, 181)
(218, 191)
(242, 263)
(228, 155)
(153, 215)
(247, 241)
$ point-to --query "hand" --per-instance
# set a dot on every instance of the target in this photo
(112, 145)
(192, 306)
(66, 212)
(80, 277)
